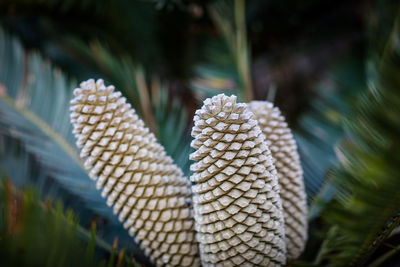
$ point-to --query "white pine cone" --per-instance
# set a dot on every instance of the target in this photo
(290, 174)
(146, 189)
(236, 200)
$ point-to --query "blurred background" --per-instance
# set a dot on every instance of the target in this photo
(316, 60)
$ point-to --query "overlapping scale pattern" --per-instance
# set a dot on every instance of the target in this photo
(139, 180)
(290, 174)
(237, 207)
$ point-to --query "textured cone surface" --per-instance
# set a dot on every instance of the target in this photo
(237, 207)
(139, 180)
(290, 174)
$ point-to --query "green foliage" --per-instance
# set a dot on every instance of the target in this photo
(320, 130)
(24, 241)
(227, 67)
(365, 207)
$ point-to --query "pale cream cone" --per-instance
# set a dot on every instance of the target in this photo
(290, 174)
(139, 180)
(237, 206)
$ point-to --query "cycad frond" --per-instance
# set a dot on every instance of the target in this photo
(146, 189)
(319, 129)
(34, 109)
(62, 242)
(237, 207)
(366, 207)
(290, 174)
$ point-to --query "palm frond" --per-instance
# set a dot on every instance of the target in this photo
(25, 242)
(319, 128)
(367, 180)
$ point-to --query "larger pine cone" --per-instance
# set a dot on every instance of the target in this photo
(236, 197)
(147, 190)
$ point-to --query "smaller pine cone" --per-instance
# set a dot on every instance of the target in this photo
(147, 190)
(236, 200)
(290, 174)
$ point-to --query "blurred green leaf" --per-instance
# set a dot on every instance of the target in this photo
(226, 68)
(365, 206)
(37, 234)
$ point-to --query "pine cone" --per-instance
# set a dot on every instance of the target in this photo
(146, 189)
(290, 174)
(236, 200)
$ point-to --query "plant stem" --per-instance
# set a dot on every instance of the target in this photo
(242, 52)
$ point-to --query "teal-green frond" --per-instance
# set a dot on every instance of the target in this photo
(365, 208)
